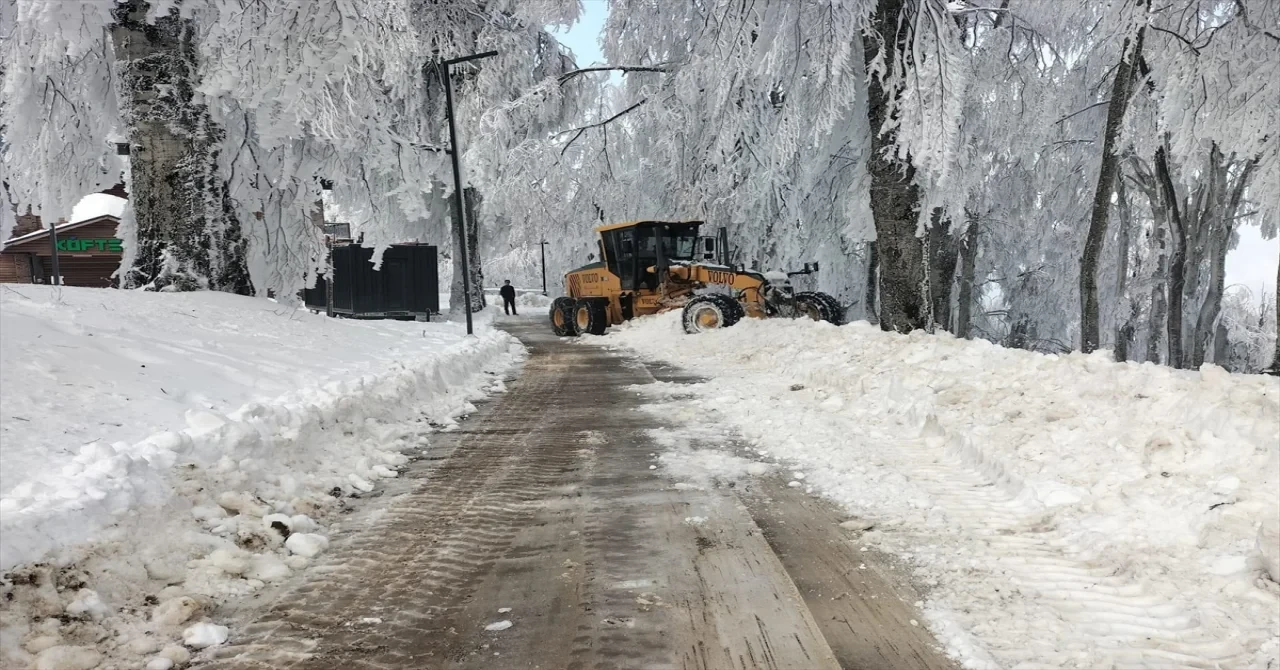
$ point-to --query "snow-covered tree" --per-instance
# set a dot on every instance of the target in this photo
(58, 107)
(257, 103)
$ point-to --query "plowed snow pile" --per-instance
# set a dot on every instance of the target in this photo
(1061, 511)
(161, 452)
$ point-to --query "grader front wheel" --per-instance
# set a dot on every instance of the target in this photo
(710, 312)
(562, 323)
(819, 307)
(591, 316)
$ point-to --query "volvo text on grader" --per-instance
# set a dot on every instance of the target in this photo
(648, 267)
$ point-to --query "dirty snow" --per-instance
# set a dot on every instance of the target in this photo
(1060, 511)
(166, 452)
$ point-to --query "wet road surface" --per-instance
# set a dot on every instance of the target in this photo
(545, 503)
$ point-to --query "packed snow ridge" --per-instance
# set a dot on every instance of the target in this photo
(166, 452)
(1060, 511)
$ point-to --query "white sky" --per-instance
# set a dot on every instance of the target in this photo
(1252, 264)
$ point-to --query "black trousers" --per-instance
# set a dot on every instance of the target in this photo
(508, 305)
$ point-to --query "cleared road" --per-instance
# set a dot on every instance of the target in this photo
(546, 504)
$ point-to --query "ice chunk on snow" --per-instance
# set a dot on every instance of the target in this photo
(242, 503)
(144, 645)
(160, 663)
(278, 523)
(208, 512)
(1226, 485)
(503, 610)
(88, 604)
(204, 422)
(67, 658)
(308, 545)
(179, 655)
(267, 567)
(359, 484)
(1269, 547)
(175, 611)
(230, 561)
(301, 523)
(1228, 565)
(41, 642)
(499, 625)
(203, 635)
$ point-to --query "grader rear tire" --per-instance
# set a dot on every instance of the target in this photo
(591, 316)
(562, 317)
(820, 307)
(711, 312)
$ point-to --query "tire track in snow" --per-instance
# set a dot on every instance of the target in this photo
(1109, 617)
(1100, 616)
(428, 546)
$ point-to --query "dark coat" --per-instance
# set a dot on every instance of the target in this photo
(508, 292)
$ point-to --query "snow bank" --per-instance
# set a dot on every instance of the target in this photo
(198, 442)
(118, 387)
(1063, 511)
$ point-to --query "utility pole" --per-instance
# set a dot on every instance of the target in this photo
(458, 194)
(542, 246)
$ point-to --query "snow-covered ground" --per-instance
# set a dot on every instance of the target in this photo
(157, 448)
(1060, 511)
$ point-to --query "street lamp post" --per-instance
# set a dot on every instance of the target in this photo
(458, 195)
(542, 246)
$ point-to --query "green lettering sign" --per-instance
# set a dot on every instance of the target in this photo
(75, 245)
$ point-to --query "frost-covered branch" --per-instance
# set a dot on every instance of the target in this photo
(582, 129)
(612, 68)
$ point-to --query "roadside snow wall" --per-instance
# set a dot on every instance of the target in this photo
(79, 363)
(1062, 511)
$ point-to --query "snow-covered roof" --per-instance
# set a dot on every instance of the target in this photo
(60, 228)
(95, 205)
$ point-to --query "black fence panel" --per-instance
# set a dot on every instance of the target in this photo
(406, 286)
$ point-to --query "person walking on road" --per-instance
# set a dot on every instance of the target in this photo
(508, 293)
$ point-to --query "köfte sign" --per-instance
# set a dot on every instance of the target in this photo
(73, 245)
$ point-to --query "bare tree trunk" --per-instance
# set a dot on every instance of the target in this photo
(1124, 328)
(1207, 319)
(1222, 220)
(1159, 310)
(1222, 346)
(186, 235)
(456, 297)
(968, 265)
(895, 197)
(873, 280)
(1177, 260)
(1275, 359)
(943, 254)
(1121, 89)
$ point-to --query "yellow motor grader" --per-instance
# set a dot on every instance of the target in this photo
(647, 267)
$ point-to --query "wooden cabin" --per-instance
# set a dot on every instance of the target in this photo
(88, 254)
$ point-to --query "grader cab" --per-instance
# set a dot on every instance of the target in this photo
(647, 267)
